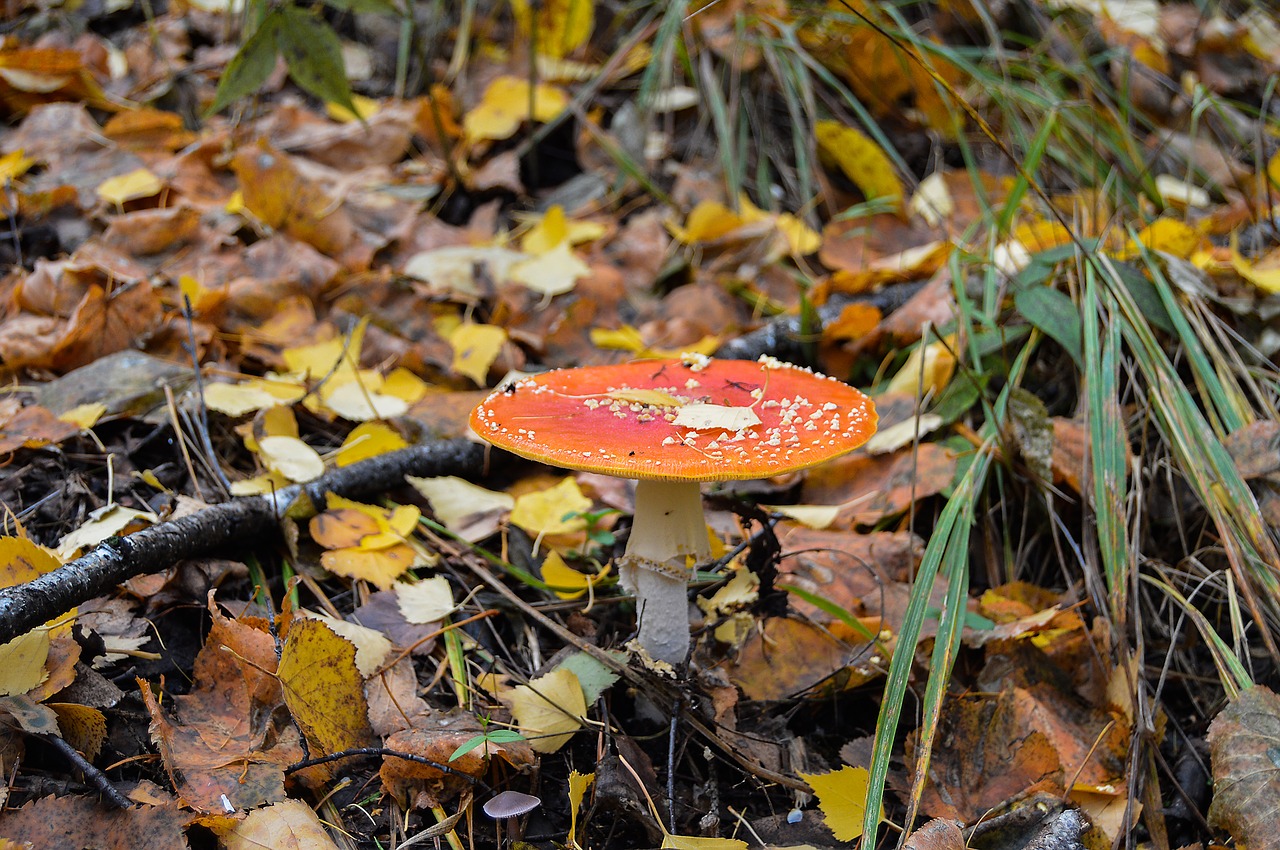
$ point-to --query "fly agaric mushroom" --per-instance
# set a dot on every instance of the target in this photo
(672, 424)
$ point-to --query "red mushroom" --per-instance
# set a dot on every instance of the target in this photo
(672, 424)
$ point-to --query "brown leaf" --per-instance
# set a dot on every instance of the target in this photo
(873, 488)
(785, 656)
(1244, 740)
(988, 758)
(31, 427)
(105, 323)
(81, 821)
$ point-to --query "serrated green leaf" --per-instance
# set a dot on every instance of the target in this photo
(1056, 315)
(252, 64)
(314, 55)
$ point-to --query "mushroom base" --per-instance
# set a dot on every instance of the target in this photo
(668, 537)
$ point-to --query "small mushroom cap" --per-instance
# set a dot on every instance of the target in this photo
(511, 804)
(692, 419)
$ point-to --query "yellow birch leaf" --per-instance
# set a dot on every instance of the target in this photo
(323, 688)
(801, 238)
(291, 823)
(291, 457)
(139, 183)
(707, 221)
(22, 662)
(356, 402)
(475, 347)
(696, 842)
(553, 273)
(366, 440)
(107, 521)
(426, 601)
(914, 379)
(565, 581)
(842, 796)
(505, 105)
(268, 482)
(578, 785)
(85, 415)
(543, 512)
(379, 567)
(404, 385)
(657, 398)
(14, 164)
(321, 360)
(861, 160)
(456, 502)
(1263, 273)
(372, 646)
(627, 338)
(562, 26)
(366, 108)
(549, 709)
(1169, 235)
(237, 399)
(550, 231)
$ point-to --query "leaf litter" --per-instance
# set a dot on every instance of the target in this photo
(349, 263)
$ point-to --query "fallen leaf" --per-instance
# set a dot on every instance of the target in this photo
(123, 188)
(468, 510)
(290, 457)
(549, 709)
(283, 825)
(543, 512)
(507, 103)
(475, 347)
(842, 796)
(323, 688)
(1244, 740)
(861, 160)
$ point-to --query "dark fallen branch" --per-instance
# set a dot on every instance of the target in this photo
(26, 606)
(782, 337)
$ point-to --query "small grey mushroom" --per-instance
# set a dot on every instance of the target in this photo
(508, 806)
(511, 804)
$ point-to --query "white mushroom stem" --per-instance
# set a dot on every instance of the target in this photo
(668, 537)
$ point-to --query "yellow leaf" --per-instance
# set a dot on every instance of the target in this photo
(357, 402)
(562, 26)
(657, 398)
(627, 338)
(1169, 235)
(704, 417)
(708, 221)
(379, 567)
(565, 581)
(475, 347)
(107, 521)
(553, 273)
(235, 203)
(139, 183)
(695, 842)
(14, 164)
(861, 160)
(542, 512)
(372, 646)
(456, 503)
(549, 709)
(801, 238)
(268, 482)
(321, 360)
(291, 823)
(22, 662)
(915, 380)
(291, 457)
(506, 104)
(85, 415)
(842, 796)
(1263, 273)
(400, 520)
(578, 785)
(279, 421)
(426, 601)
(323, 688)
(237, 399)
(548, 233)
(366, 108)
(369, 439)
(404, 385)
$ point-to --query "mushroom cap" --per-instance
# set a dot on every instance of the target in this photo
(511, 804)
(691, 419)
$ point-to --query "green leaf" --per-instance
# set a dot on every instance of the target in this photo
(314, 55)
(360, 7)
(1056, 315)
(252, 64)
(495, 736)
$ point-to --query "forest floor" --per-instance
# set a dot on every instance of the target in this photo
(265, 586)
